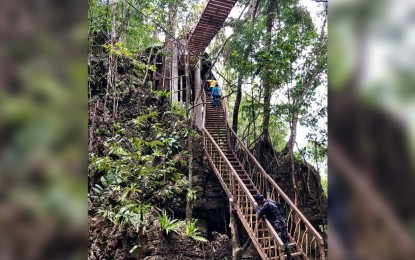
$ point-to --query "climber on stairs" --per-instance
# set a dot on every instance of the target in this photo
(271, 210)
(216, 97)
(210, 85)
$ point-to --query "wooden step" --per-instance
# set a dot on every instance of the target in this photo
(244, 179)
(247, 181)
(295, 254)
(212, 128)
(263, 230)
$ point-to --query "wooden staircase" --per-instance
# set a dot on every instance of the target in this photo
(242, 177)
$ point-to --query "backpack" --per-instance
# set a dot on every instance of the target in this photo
(216, 91)
(281, 218)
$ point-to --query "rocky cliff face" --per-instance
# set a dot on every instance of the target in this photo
(108, 240)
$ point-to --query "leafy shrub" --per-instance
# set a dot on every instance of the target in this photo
(141, 120)
(192, 231)
(168, 224)
(191, 195)
(162, 94)
(127, 215)
(175, 108)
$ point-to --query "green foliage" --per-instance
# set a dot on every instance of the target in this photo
(137, 167)
(127, 215)
(296, 54)
(168, 224)
(324, 184)
(120, 50)
(191, 195)
(157, 153)
(170, 141)
(192, 231)
(163, 94)
(298, 157)
(143, 119)
(108, 214)
(135, 172)
(118, 128)
(175, 108)
(99, 191)
(115, 148)
(98, 19)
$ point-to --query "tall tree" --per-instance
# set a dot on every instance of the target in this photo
(307, 80)
(272, 5)
(170, 63)
(252, 12)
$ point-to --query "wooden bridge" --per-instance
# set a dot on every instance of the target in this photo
(239, 173)
(210, 22)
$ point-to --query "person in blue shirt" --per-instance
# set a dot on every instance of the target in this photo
(270, 209)
(216, 97)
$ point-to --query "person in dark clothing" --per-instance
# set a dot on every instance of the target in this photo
(207, 86)
(270, 209)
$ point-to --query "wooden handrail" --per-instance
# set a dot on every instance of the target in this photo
(240, 182)
(307, 239)
(280, 192)
(228, 163)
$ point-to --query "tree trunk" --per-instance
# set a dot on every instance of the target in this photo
(267, 83)
(174, 81)
(293, 135)
(189, 205)
(170, 45)
(198, 97)
(234, 231)
(237, 103)
(175, 75)
(253, 113)
(290, 144)
(267, 110)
